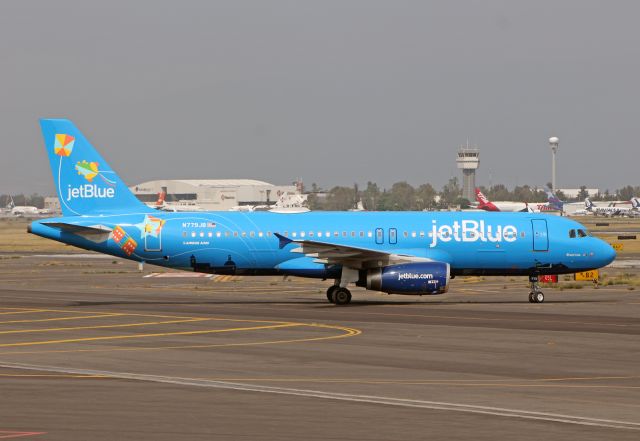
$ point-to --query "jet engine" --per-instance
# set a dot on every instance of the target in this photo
(415, 278)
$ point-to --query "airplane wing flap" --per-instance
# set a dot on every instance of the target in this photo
(350, 256)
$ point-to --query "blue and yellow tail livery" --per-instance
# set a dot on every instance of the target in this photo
(85, 183)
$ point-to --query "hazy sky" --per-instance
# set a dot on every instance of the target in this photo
(334, 92)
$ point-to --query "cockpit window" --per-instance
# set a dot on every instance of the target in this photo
(582, 233)
(572, 233)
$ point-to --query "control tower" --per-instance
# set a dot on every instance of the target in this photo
(468, 160)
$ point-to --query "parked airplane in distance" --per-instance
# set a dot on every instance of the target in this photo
(505, 206)
(22, 210)
(553, 204)
(610, 210)
(411, 253)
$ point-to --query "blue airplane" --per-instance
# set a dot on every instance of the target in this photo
(412, 253)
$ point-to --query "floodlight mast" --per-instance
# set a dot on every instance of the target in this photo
(553, 144)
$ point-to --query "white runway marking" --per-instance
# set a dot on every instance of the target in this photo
(432, 405)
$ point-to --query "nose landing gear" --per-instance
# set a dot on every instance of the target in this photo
(535, 296)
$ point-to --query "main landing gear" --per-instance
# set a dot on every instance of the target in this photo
(535, 296)
(338, 295)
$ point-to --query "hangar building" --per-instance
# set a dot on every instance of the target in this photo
(214, 194)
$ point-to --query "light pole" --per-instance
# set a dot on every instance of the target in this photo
(553, 144)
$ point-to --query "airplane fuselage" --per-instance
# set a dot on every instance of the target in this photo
(245, 243)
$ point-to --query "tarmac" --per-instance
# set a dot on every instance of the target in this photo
(91, 349)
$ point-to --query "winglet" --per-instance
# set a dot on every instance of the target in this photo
(284, 241)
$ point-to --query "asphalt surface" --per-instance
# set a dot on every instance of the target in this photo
(91, 349)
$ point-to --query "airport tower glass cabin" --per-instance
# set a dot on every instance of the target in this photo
(468, 160)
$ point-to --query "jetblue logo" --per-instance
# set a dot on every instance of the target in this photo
(90, 191)
(471, 231)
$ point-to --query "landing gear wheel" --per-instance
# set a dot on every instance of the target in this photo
(341, 296)
(330, 292)
(535, 295)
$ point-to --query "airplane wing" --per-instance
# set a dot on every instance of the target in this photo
(349, 256)
(94, 233)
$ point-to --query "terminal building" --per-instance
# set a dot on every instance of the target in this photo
(215, 194)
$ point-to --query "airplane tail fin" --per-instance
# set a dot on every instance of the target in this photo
(588, 204)
(635, 203)
(554, 202)
(161, 197)
(85, 183)
(481, 198)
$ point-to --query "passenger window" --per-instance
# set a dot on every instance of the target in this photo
(294, 234)
(252, 234)
(327, 234)
(572, 233)
(369, 234)
(226, 234)
(336, 234)
(344, 234)
(310, 233)
(184, 234)
(268, 233)
(353, 234)
(362, 234)
(302, 234)
(218, 234)
(413, 234)
(422, 234)
(244, 234)
(235, 234)
(259, 233)
(405, 234)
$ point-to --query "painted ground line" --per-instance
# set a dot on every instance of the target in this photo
(368, 399)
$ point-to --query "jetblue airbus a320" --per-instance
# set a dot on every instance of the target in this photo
(412, 253)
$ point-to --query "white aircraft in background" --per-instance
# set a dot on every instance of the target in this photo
(611, 210)
(506, 206)
(22, 210)
(185, 205)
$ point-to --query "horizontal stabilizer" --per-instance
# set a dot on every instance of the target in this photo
(94, 233)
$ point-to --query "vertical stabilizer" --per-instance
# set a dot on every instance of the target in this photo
(85, 183)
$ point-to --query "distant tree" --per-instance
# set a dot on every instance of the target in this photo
(36, 200)
(524, 194)
(625, 193)
(339, 199)
(402, 196)
(371, 196)
(463, 203)
(450, 192)
(425, 197)
(19, 200)
(583, 193)
(499, 192)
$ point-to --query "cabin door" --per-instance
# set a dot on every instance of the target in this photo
(540, 235)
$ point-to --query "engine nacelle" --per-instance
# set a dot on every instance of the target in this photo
(410, 278)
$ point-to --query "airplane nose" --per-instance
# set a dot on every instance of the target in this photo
(607, 254)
